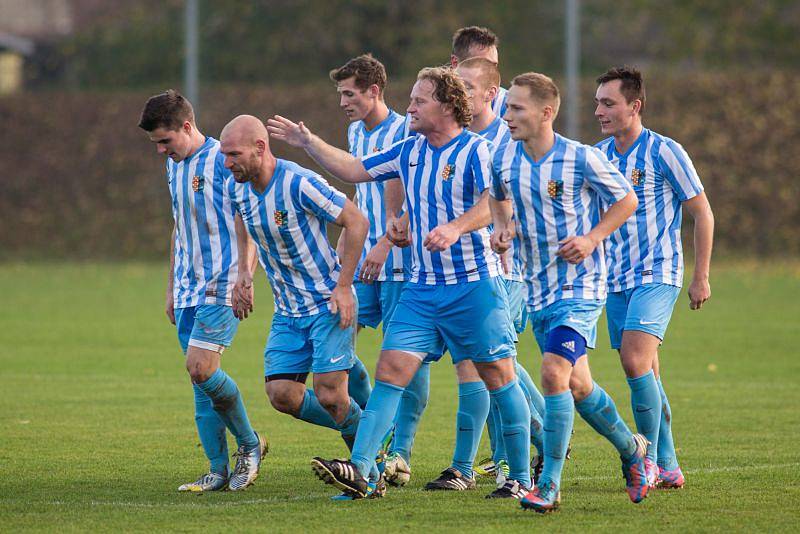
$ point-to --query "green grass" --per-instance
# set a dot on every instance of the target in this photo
(97, 429)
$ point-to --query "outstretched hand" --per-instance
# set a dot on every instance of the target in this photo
(295, 134)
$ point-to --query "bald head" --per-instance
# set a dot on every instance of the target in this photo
(245, 129)
(245, 143)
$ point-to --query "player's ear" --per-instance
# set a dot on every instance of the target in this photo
(637, 106)
(374, 90)
(492, 92)
(261, 146)
(186, 127)
(453, 61)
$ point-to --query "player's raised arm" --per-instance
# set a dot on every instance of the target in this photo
(357, 227)
(700, 210)
(337, 162)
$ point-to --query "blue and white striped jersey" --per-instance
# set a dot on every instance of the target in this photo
(441, 184)
(205, 236)
(554, 198)
(369, 195)
(499, 134)
(647, 248)
(287, 222)
(499, 102)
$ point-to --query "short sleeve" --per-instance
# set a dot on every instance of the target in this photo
(481, 163)
(385, 165)
(319, 198)
(603, 177)
(679, 171)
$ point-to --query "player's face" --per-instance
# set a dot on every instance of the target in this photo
(524, 115)
(615, 114)
(241, 159)
(426, 113)
(478, 93)
(176, 144)
(486, 52)
(355, 103)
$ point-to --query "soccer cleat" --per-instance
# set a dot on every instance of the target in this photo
(375, 490)
(451, 479)
(542, 499)
(207, 482)
(396, 470)
(248, 464)
(672, 479)
(502, 473)
(651, 471)
(342, 474)
(634, 471)
(511, 489)
(537, 464)
(486, 468)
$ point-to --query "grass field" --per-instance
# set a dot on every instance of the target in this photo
(97, 429)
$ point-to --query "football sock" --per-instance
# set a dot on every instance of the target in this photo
(227, 401)
(495, 427)
(473, 408)
(599, 410)
(535, 404)
(646, 405)
(666, 447)
(376, 419)
(559, 415)
(409, 411)
(212, 432)
(311, 411)
(515, 417)
(358, 386)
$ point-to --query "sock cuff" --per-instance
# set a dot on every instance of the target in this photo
(503, 389)
(642, 381)
(470, 388)
(214, 380)
(386, 385)
(592, 399)
(560, 402)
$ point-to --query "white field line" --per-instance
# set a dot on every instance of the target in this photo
(315, 496)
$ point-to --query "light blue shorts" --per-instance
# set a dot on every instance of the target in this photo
(376, 302)
(645, 308)
(208, 326)
(580, 315)
(517, 304)
(470, 320)
(308, 344)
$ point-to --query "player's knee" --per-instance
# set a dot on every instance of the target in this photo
(580, 387)
(331, 398)
(198, 371)
(283, 400)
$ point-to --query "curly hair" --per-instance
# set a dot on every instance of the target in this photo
(366, 69)
(169, 110)
(449, 89)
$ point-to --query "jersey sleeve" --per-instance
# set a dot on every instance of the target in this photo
(230, 191)
(319, 198)
(500, 189)
(481, 163)
(384, 165)
(603, 177)
(679, 171)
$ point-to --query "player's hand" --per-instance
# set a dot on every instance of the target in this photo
(243, 296)
(343, 303)
(501, 241)
(373, 264)
(295, 134)
(699, 293)
(397, 232)
(575, 249)
(170, 308)
(441, 238)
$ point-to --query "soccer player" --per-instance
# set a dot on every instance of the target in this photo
(476, 41)
(284, 208)
(383, 268)
(645, 256)
(455, 297)
(203, 265)
(553, 186)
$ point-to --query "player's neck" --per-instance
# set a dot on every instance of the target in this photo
(538, 146)
(376, 116)
(265, 174)
(481, 122)
(441, 136)
(198, 140)
(626, 138)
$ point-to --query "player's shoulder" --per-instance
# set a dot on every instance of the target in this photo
(604, 144)
(289, 170)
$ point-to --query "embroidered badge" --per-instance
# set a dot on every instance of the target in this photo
(377, 149)
(448, 171)
(555, 188)
(281, 217)
(197, 183)
(637, 177)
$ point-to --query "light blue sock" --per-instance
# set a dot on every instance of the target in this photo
(496, 433)
(599, 410)
(646, 405)
(349, 427)
(473, 409)
(311, 411)
(227, 400)
(409, 411)
(532, 395)
(376, 420)
(515, 417)
(358, 386)
(667, 458)
(212, 432)
(559, 415)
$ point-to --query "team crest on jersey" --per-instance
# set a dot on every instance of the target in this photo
(637, 177)
(197, 183)
(448, 171)
(281, 217)
(555, 188)
(377, 149)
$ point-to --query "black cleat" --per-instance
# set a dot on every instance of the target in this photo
(451, 479)
(510, 490)
(342, 474)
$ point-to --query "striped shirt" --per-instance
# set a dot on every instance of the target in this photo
(499, 134)
(287, 222)
(369, 195)
(441, 184)
(499, 102)
(554, 198)
(205, 236)
(647, 248)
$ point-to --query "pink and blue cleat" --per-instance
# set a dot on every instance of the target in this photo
(670, 479)
(635, 471)
(651, 470)
(542, 499)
